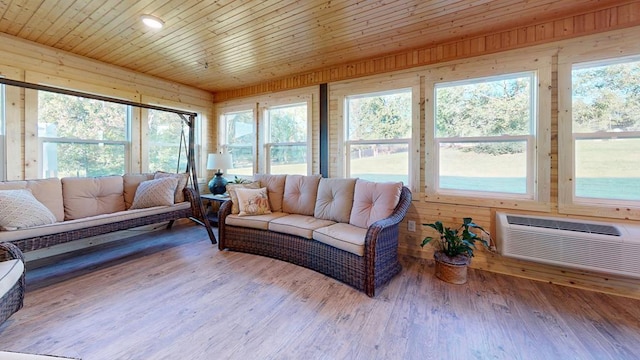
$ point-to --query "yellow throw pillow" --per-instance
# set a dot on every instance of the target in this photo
(253, 202)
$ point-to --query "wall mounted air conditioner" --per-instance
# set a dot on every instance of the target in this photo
(598, 246)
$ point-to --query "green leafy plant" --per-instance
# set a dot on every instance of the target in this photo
(239, 180)
(457, 241)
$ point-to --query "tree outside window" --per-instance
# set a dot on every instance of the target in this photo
(378, 135)
(606, 130)
(286, 144)
(238, 139)
(168, 142)
(484, 134)
(82, 137)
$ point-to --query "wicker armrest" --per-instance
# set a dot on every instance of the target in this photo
(8, 251)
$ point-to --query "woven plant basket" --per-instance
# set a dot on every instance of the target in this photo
(452, 270)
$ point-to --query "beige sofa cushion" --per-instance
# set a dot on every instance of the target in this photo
(183, 178)
(131, 182)
(275, 188)
(300, 194)
(47, 191)
(299, 225)
(342, 236)
(231, 190)
(373, 201)
(84, 197)
(19, 209)
(335, 199)
(256, 222)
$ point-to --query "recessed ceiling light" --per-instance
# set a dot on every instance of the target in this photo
(152, 21)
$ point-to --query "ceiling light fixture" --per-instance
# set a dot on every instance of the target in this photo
(152, 21)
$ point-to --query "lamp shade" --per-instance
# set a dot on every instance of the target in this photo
(219, 161)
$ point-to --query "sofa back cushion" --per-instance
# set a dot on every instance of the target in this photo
(300, 194)
(84, 197)
(335, 199)
(373, 201)
(46, 191)
(131, 182)
(275, 189)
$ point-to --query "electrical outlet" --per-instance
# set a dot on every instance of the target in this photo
(411, 225)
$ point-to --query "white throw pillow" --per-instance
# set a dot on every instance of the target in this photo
(157, 192)
(19, 209)
(183, 178)
(253, 201)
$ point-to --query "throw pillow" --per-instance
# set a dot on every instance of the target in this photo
(19, 209)
(157, 192)
(183, 178)
(231, 190)
(253, 202)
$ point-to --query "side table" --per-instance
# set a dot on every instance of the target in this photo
(212, 205)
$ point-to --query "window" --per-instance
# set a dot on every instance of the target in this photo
(82, 137)
(168, 142)
(485, 132)
(238, 138)
(378, 133)
(605, 108)
(3, 117)
(286, 139)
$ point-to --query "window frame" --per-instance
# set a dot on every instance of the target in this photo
(222, 131)
(538, 139)
(568, 202)
(348, 143)
(266, 144)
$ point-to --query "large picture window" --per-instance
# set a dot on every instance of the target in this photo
(82, 137)
(605, 110)
(378, 127)
(485, 132)
(238, 138)
(168, 141)
(286, 139)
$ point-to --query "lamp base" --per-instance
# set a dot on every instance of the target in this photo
(218, 184)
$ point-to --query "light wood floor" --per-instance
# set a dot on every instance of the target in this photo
(172, 295)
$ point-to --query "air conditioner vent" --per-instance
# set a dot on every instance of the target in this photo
(564, 225)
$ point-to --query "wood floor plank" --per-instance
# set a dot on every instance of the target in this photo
(172, 295)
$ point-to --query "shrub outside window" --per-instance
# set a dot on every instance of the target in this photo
(238, 139)
(485, 135)
(378, 127)
(286, 139)
(82, 137)
(606, 131)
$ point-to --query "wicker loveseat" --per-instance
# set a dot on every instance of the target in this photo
(12, 273)
(344, 228)
(52, 211)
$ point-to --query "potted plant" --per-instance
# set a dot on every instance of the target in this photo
(454, 249)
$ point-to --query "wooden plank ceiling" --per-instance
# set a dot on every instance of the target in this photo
(226, 44)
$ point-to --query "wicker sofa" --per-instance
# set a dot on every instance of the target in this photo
(343, 228)
(12, 274)
(72, 208)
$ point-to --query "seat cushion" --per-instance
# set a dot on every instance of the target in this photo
(10, 273)
(275, 189)
(19, 209)
(256, 222)
(90, 196)
(300, 194)
(299, 225)
(335, 199)
(47, 191)
(342, 236)
(373, 201)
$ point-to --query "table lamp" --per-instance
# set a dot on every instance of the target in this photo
(219, 162)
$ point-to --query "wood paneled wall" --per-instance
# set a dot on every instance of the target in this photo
(589, 22)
